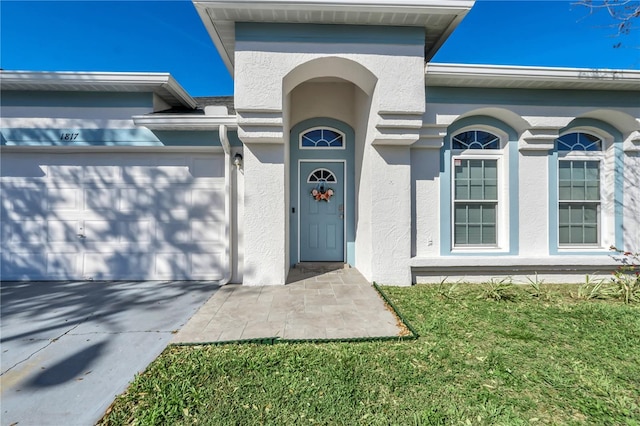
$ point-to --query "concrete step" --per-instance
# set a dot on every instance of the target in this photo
(320, 267)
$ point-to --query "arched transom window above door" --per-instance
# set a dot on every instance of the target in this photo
(322, 138)
(321, 175)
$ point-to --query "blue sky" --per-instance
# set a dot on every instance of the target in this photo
(168, 36)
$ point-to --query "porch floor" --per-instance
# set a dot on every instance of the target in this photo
(319, 302)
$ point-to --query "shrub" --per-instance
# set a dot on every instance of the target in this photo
(498, 290)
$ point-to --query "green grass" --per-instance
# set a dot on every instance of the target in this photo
(521, 359)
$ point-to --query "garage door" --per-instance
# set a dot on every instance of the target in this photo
(112, 216)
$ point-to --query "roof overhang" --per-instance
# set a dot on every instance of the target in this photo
(439, 17)
(522, 77)
(162, 84)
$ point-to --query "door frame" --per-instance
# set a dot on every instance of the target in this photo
(296, 156)
(345, 202)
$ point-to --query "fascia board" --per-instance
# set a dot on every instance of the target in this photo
(96, 81)
(215, 36)
(479, 73)
(333, 5)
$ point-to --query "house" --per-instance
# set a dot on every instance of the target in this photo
(342, 143)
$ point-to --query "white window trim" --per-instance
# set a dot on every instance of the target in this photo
(502, 211)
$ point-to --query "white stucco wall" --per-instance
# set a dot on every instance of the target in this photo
(264, 219)
(425, 169)
(399, 70)
(632, 202)
(389, 93)
(332, 99)
(364, 260)
(534, 203)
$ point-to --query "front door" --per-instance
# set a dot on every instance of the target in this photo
(322, 195)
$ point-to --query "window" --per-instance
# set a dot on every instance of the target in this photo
(475, 189)
(322, 138)
(321, 175)
(476, 202)
(475, 139)
(579, 189)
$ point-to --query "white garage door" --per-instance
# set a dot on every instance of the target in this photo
(112, 216)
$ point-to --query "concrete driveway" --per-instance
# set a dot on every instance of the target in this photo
(68, 348)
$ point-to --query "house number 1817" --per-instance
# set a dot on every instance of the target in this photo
(69, 136)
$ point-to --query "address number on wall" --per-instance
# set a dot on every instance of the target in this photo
(69, 136)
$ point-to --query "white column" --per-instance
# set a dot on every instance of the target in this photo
(265, 260)
(390, 185)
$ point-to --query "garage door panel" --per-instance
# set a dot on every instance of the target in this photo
(136, 200)
(23, 265)
(170, 199)
(5, 229)
(118, 265)
(207, 199)
(173, 232)
(63, 231)
(206, 231)
(63, 265)
(23, 201)
(101, 199)
(101, 230)
(60, 199)
(173, 264)
(137, 231)
(208, 264)
(24, 231)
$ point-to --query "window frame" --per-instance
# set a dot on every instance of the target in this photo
(322, 148)
(501, 156)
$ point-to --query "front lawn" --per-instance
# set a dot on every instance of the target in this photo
(551, 359)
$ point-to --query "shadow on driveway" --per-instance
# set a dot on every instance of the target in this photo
(68, 348)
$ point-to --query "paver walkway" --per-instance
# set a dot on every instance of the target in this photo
(315, 304)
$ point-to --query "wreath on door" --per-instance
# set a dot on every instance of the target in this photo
(322, 192)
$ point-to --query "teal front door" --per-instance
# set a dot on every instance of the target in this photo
(322, 195)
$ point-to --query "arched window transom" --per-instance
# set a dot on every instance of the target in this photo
(579, 141)
(475, 139)
(322, 137)
(321, 175)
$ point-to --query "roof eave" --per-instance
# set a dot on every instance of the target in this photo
(437, 74)
(163, 84)
(457, 8)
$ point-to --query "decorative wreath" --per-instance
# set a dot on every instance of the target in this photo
(321, 192)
